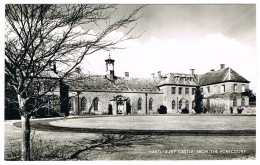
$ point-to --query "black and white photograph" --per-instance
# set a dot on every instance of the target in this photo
(109, 81)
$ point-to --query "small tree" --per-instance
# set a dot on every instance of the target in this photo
(198, 101)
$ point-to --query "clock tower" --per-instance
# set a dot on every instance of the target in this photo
(110, 73)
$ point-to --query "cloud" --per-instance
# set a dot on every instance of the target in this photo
(178, 56)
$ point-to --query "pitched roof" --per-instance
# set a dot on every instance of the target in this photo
(82, 82)
(218, 76)
(178, 79)
(122, 84)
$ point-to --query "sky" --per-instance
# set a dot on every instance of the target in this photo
(178, 38)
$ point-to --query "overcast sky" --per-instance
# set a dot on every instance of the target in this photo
(178, 38)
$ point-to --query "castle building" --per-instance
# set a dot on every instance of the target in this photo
(111, 94)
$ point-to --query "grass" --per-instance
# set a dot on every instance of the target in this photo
(184, 122)
(51, 145)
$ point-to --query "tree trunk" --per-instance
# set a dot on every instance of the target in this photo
(26, 130)
(26, 137)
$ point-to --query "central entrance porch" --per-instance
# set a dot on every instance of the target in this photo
(120, 105)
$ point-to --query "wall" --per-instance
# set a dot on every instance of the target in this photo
(106, 97)
(168, 97)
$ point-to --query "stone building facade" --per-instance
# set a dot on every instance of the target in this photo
(110, 94)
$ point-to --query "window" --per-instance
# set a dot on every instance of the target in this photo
(235, 87)
(235, 101)
(208, 88)
(150, 104)
(193, 91)
(243, 88)
(223, 88)
(173, 90)
(180, 90)
(83, 104)
(187, 91)
(96, 104)
(71, 104)
(201, 89)
(173, 104)
(243, 101)
(215, 89)
(187, 104)
(180, 104)
(139, 104)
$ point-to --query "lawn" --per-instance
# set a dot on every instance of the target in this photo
(98, 146)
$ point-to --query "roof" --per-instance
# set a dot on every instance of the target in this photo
(178, 79)
(120, 84)
(218, 76)
(82, 82)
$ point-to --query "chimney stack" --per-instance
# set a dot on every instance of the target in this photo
(159, 74)
(192, 72)
(153, 75)
(222, 66)
(126, 74)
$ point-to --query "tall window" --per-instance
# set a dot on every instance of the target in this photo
(173, 90)
(96, 104)
(201, 89)
(187, 104)
(243, 88)
(235, 101)
(150, 104)
(71, 104)
(235, 87)
(180, 90)
(173, 104)
(187, 91)
(193, 104)
(223, 88)
(193, 91)
(208, 89)
(139, 104)
(83, 104)
(180, 104)
(243, 101)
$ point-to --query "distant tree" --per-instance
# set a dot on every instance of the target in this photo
(37, 36)
(198, 101)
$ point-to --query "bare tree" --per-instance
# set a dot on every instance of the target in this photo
(37, 36)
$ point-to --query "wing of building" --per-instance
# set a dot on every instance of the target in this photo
(109, 94)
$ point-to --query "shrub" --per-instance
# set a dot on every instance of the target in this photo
(185, 110)
(240, 110)
(162, 109)
(216, 108)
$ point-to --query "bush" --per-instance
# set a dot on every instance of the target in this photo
(216, 109)
(162, 109)
(185, 110)
(240, 110)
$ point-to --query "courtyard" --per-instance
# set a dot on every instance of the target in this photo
(186, 137)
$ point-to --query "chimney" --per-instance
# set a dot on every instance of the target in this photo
(153, 75)
(126, 74)
(222, 66)
(54, 67)
(212, 70)
(192, 72)
(159, 74)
